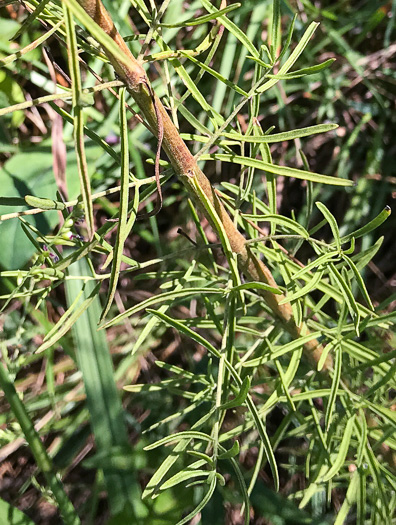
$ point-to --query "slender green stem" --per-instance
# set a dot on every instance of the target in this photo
(39, 452)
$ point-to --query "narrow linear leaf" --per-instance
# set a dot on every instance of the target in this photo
(359, 280)
(292, 58)
(123, 211)
(343, 450)
(176, 294)
(249, 402)
(215, 74)
(278, 351)
(68, 319)
(187, 434)
(231, 453)
(350, 499)
(232, 28)
(278, 170)
(332, 223)
(240, 398)
(311, 285)
(347, 293)
(183, 475)
(256, 285)
(279, 220)
(205, 500)
(334, 386)
(370, 226)
(305, 71)
(280, 137)
(165, 466)
(204, 18)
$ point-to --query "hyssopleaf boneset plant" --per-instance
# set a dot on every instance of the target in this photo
(276, 332)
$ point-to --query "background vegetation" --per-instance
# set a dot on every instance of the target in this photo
(206, 365)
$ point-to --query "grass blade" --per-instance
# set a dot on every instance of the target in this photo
(104, 404)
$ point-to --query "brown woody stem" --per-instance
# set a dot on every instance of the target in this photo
(186, 169)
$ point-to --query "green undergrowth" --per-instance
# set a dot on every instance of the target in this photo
(164, 390)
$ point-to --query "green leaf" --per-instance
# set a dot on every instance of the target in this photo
(184, 475)
(369, 227)
(232, 28)
(278, 170)
(346, 291)
(278, 351)
(178, 436)
(30, 172)
(204, 18)
(175, 294)
(342, 451)
(311, 285)
(334, 386)
(124, 226)
(305, 71)
(10, 515)
(279, 220)
(231, 453)
(104, 403)
(240, 398)
(280, 137)
(332, 223)
(215, 74)
(68, 318)
(256, 285)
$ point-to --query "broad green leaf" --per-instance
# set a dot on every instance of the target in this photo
(30, 172)
(11, 515)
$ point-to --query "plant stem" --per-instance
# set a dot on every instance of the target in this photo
(44, 462)
(186, 168)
